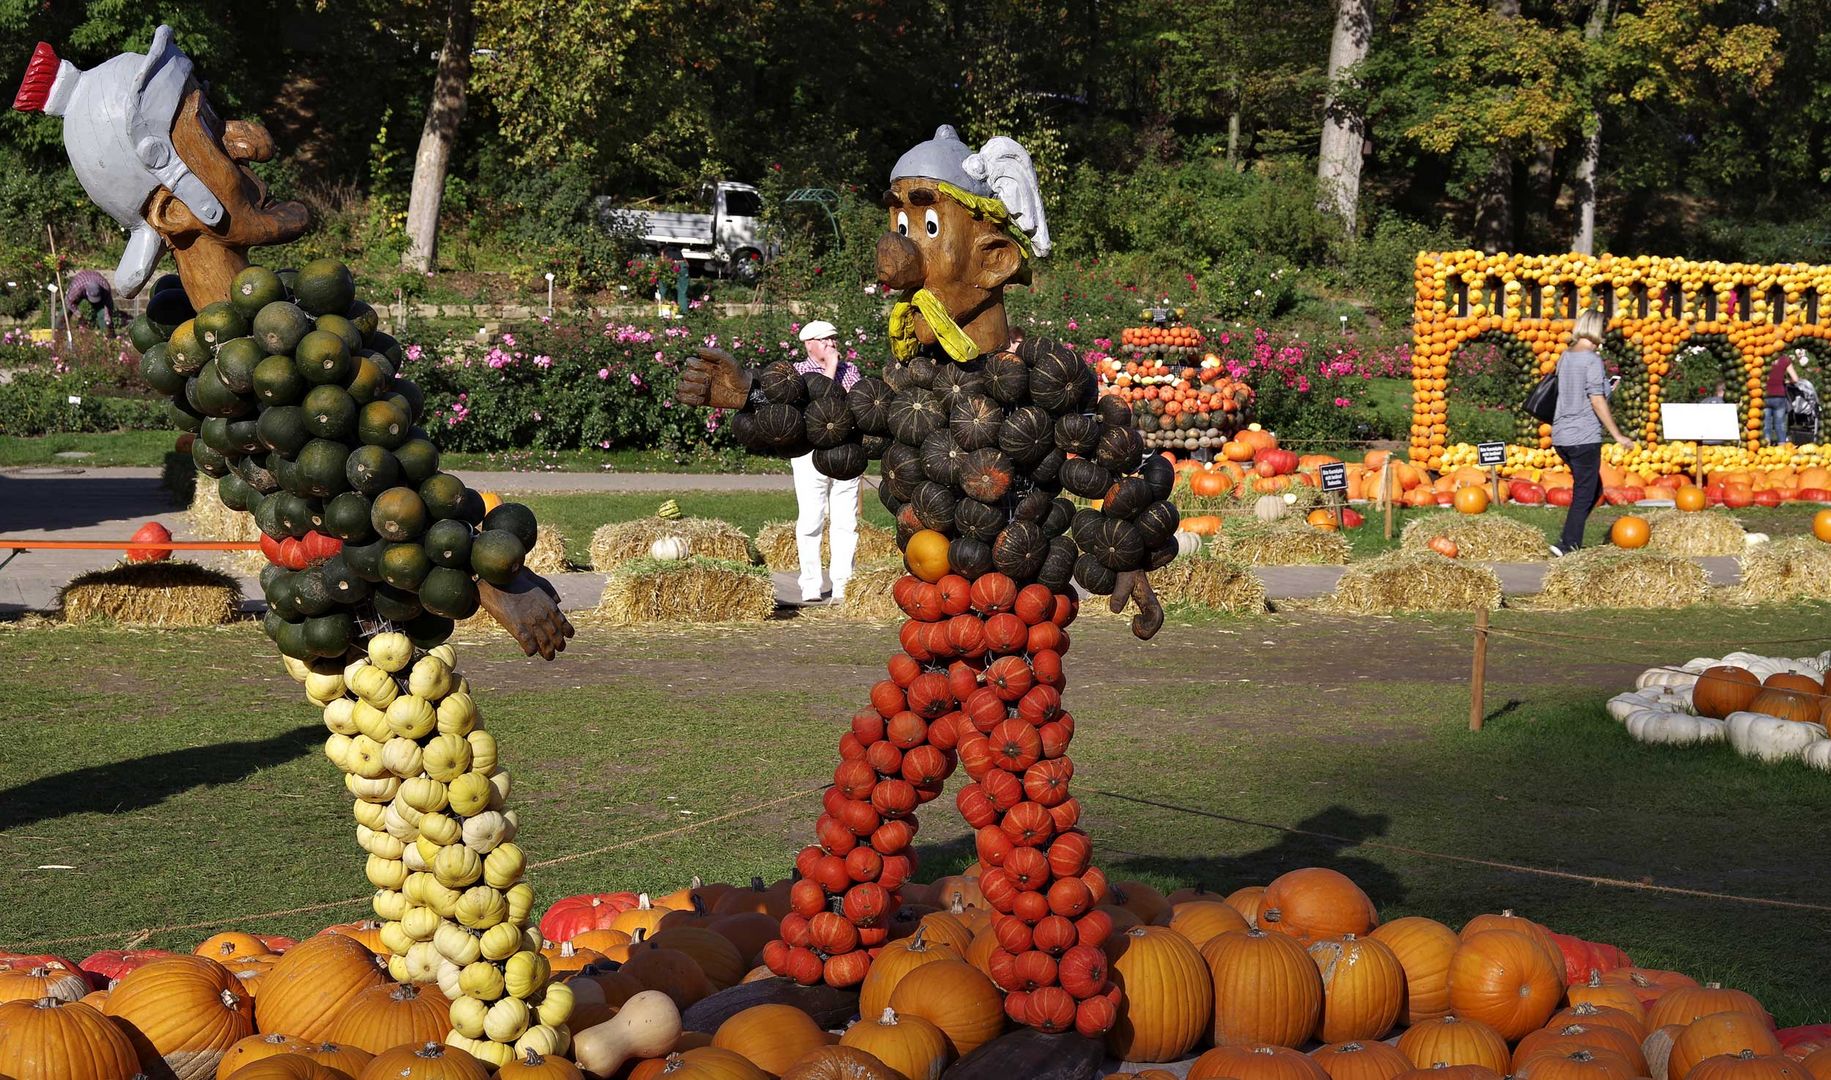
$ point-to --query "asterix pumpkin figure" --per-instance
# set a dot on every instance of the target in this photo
(303, 418)
(978, 446)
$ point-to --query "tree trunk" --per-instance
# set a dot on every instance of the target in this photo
(1233, 139)
(1584, 185)
(1338, 167)
(1494, 206)
(443, 114)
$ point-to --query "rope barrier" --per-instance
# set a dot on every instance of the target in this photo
(1526, 635)
(1660, 644)
(142, 935)
(1564, 875)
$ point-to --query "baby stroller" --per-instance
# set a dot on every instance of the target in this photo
(1802, 413)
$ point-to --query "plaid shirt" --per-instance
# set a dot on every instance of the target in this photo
(845, 374)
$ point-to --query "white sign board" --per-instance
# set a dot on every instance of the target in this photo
(1700, 423)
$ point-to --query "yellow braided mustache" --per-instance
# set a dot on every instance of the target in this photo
(952, 339)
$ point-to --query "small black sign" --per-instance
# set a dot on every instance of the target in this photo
(1334, 477)
(1491, 453)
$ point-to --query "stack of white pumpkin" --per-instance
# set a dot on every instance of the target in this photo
(442, 857)
(1660, 710)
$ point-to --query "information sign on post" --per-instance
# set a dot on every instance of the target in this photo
(1334, 477)
(1701, 422)
(1492, 455)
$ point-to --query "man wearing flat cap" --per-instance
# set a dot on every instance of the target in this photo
(819, 497)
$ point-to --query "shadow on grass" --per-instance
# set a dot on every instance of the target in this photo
(1326, 838)
(141, 782)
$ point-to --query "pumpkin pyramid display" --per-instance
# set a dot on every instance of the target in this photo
(981, 447)
(303, 419)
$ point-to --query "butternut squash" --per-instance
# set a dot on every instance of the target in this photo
(647, 1026)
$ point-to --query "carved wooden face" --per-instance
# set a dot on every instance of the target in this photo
(937, 244)
(216, 152)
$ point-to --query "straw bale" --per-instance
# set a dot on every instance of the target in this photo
(622, 541)
(1413, 581)
(1796, 568)
(548, 555)
(1288, 541)
(152, 594)
(692, 590)
(1219, 583)
(1478, 537)
(1704, 532)
(1611, 577)
(868, 592)
(211, 520)
(776, 544)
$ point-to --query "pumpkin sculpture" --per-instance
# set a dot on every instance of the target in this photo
(303, 419)
(980, 448)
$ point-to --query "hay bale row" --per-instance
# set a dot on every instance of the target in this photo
(1284, 542)
(868, 592)
(1413, 581)
(1705, 532)
(1609, 577)
(696, 590)
(1797, 568)
(620, 542)
(1218, 583)
(152, 594)
(776, 544)
(548, 555)
(1478, 537)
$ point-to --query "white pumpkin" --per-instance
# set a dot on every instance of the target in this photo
(1660, 676)
(1664, 727)
(1769, 738)
(1818, 755)
(1753, 540)
(1187, 543)
(1269, 507)
(670, 548)
(1621, 706)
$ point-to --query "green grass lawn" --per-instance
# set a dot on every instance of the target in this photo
(155, 779)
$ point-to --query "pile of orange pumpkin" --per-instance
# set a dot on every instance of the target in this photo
(1258, 976)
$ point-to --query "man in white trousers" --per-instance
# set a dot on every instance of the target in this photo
(821, 497)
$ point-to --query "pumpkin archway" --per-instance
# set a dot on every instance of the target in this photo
(1720, 360)
(1503, 377)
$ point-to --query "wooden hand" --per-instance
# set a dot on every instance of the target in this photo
(1135, 586)
(528, 608)
(714, 377)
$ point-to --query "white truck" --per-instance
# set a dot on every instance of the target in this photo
(729, 239)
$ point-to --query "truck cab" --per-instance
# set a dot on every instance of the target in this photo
(727, 238)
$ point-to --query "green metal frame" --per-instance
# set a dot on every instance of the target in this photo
(826, 199)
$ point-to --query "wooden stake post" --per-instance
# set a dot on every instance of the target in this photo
(1478, 676)
(1491, 456)
(1386, 483)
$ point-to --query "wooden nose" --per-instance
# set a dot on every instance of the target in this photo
(899, 262)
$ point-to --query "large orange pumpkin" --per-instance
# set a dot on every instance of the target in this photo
(256, 1048)
(1629, 531)
(1363, 988)
(429, 1062)
(1648, 984)
(231, 945)
(1728, 1032)
(533, 1066)
(1724, 689)
(1169, 998)
(1454, 1041)
(1246, 900)
(1451, 1072)
(895, 960)
(1507, 920)
(1503, 978)
(1266, 989)
(1690, 498)
(1601, 996)
(1579, 1064)
(50, 1039)
(1361, 1061)
(910, 1045)
(771, 1036)
(51, 979)
(1316, 902)
(1630, 1023)
(1423, 947)
(670, 971)
(306, 992)
(1255, 1063)
(955, 997)
(386, 1016)
(713, 952)
(749, 931)
(1200, 920)
(846, 1063)
(1471, 499)
(1565, 1038)
(1688, 1003)
(1821, 525)
(289, 1067)
(183, 1011)
(1747, 1067)
(1788, 705)
(347, 1059)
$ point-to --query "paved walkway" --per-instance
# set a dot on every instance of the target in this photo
(110, 503)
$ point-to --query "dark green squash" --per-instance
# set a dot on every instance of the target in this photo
(846, 461)
(870, 403)
(828, 421)
(1127, 498)
(986, 475)
(1018, 552)
(782, 384)
(1086, 478)
(1027, 434)
(974, 420)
